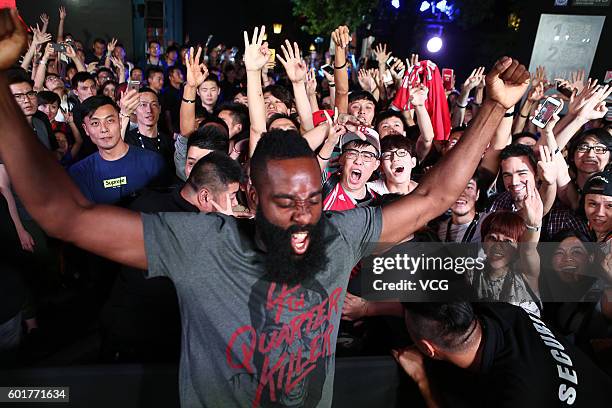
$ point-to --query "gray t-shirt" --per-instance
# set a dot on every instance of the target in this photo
(246, 341)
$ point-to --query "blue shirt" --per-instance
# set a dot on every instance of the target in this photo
(107, 182)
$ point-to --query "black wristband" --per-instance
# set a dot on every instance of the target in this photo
(508, 114)
(188, 100)
(342, 66)
(461, 106)
(523, 116)
(323, 158)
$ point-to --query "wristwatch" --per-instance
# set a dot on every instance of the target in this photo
(534, 228)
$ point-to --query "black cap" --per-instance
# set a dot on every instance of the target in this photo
(599, 183)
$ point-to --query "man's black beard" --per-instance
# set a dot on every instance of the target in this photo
(282, 264)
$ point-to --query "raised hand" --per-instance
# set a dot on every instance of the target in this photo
(311, 82)
(118, 63)
(129, 102)
(335, 130)
(531, 208)
(547, 169)
(68, 116)
(594, 105)
(539, 77)
(366, 81)
(536, 93)
(292, 61)
(48, 52)
(13, 37)
(62, 13)
(397, 70)
(39, 37)
(507, 82)
(418, 95)
(328, 76)
(70, 52)
(269, 65)
(381, 54)
(92, 67)
(577, 80)
(341, 37)
(412, 61)
(110, 47)
(45, 20)
(256, 52)
(196, 70)
(474, 79)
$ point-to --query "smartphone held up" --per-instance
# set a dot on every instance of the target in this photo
(546, 112)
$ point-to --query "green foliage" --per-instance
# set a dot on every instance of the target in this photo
(321, 17)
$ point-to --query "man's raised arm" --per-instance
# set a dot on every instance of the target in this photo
(506, 83)
(44, 187)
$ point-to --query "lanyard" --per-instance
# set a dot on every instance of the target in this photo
(469, 232)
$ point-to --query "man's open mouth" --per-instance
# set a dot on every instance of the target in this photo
(299, 242)
(355, 176)
(398, 170)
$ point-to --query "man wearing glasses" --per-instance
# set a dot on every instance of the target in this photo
(397, 161)
(23, 92)
(347, 189)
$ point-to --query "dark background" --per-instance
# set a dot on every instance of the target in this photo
(464, 48)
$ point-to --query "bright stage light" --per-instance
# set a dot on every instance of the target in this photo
(441, 6)
(424, 6)
(434, 44)
(395, 3)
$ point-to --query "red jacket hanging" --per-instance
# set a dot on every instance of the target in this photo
(427, 73)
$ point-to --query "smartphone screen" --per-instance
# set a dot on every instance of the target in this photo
(447, 78)
(564, 90)
(272, 54)
(59, 47)
(327, 68)
(546, 112)
(134, 85)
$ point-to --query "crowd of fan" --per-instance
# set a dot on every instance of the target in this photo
(190, 119)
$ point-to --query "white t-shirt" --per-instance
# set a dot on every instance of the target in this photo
(380, 187)
(457, 232)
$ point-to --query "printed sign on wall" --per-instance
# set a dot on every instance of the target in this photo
(566, 43)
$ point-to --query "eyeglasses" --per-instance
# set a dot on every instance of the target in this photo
(586, 148)
(352, 154)
(399, 153)
(24, 96)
